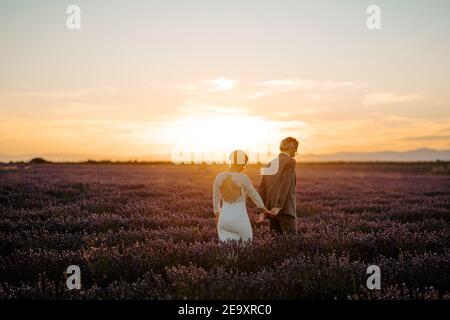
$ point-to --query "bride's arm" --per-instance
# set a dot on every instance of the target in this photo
(216, 197)
(254, 195)
(256, 198)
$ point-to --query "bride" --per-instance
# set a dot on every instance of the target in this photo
(232, 186)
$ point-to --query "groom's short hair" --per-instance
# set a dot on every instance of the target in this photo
(284, 144)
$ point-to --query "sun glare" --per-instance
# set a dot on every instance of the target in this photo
(210, 138)
(223, 84)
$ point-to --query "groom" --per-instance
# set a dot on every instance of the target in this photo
(277, 189)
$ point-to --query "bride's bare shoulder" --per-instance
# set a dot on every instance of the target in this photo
(243, 175)
(220, 176)
(238, 177)
(241, 178)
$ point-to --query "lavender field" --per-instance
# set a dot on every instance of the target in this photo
(147, 232)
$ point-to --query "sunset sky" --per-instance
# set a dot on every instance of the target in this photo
(142, 78)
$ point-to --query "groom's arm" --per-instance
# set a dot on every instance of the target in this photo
(286, 178)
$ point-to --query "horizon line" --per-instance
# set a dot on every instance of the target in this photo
(42, 161)
(166, 158)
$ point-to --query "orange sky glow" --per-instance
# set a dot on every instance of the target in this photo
(156, 81)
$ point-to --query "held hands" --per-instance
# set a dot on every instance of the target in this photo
(267, 214)
(273, 213)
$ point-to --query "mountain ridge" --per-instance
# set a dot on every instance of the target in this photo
(421, 154)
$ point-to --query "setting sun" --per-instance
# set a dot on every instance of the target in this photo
(210, 138)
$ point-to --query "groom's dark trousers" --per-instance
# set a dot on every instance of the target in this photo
(278, 190)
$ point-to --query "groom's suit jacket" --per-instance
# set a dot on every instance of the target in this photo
(278, 190)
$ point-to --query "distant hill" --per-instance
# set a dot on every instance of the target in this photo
(397, 156)
(406, 156)
(38, 161)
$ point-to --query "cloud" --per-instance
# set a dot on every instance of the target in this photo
(306, 86)
(254, 90)
(428, 138)
(379, 98)
(218, 84)
(221, 84)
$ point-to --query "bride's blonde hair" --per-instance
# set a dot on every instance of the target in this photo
(238, 160)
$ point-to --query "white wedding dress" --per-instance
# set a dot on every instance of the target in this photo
(234, 223)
